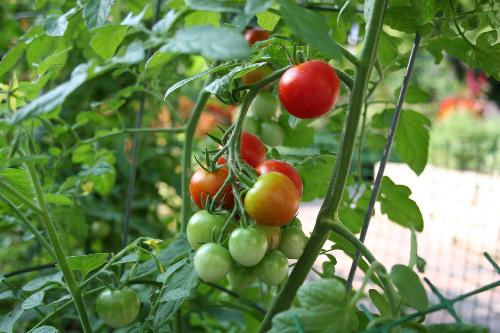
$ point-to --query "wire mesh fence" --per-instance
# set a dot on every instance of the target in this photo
(459, 200)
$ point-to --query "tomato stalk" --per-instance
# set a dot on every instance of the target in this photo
(74, 289)
(186, 153)
(340, 173)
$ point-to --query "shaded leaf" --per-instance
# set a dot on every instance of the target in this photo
(211, 42)
(33, 300)
(42, 281)
(411, 289)
(457, 328)
(315, 172)
(396, 203)
(326, 292)
(56, 25)
(311, 27)
(214, 5)
(96, 12)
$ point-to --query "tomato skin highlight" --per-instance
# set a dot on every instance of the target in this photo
(293, 242)
(247, 246)
(252, 149)
(273, 200)
(273, 269)
(284, 168)
(119, 307)
(202, 225)
(212, 262)
(255, 35)
(205, 184)
(309, 90)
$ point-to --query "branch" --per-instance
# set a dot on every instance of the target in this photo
(339, 175)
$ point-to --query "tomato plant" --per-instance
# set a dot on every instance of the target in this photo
(309, 90)
(118, 307)
(118, 121)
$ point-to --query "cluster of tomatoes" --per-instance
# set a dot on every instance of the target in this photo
(261, 249)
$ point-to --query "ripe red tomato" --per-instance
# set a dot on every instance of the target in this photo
(255, 35)
(253, 150)
(204, 183)
(284, 168)
(309, 90)
(273, 200)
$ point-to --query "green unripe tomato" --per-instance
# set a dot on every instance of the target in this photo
(264, 105)
(118, 307)
(296, 222)
(202, 225)
(272, 134)
(241, 277)
(251, 125)
(100, 229)
(247, 246)
(273, 235)
(273, 269)
(293, 241)
(212, 262)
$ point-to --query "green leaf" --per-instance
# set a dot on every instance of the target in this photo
(42, 281)
(96, 12)
(214, 43)
(106, 39)
(380, 302)
(333, 319)
(87, 263)
(33, 300)
(457, 328)
(214, 5)
(57, 25)
(133, 54)
(411, 289)
(414, 94)
(181, 83)
(412, 136)
(406, 19)
(72, 222)
(10, 59)
(55, 62)
(45, 329)
(311, 27)
(300, 136)
(267, 20)
(179, 287)
(321, 292)
(202, 18)
(315, 172)
(8, 321)
(53, 98)
(412, 139)
(396, 203)
(253, 7)
(57, 199)
(487, 53)
(159, 59)
(18, 179)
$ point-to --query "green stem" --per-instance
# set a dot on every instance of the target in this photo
(187, 150)
(62, 262)
(338, 179)
(24, 220)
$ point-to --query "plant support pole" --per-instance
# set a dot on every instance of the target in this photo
(385, 158)
(339, 176)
